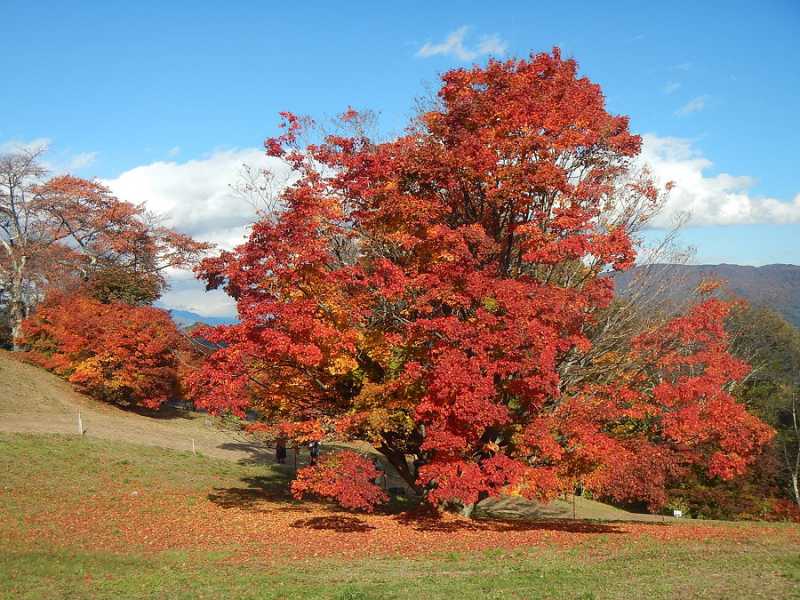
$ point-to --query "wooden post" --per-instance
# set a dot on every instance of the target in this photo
(194, 450)
(573, 505)
(80, 423)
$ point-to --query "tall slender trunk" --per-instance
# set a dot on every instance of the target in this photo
(17, 307)
(17, 315)
(794, 469)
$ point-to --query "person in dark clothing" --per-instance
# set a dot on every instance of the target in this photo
(381, 480)
(313, 450)
(280, 449)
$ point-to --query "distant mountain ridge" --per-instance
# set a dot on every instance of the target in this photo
(185, 318)
(775, 286)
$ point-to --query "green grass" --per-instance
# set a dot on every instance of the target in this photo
(38, 471)
(684, 571)
(78, 462)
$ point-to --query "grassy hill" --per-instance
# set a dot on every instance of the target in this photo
(91, 518)
(35, 401)
(128, 511)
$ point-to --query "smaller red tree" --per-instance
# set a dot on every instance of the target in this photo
(346, 477)
(669, 412)
(114, 352)
(56, 231)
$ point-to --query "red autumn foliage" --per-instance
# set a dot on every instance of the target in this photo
(346, 477)
(427, 294)
(114, 352)
(65, 231)
(782, 509)
(669, 411)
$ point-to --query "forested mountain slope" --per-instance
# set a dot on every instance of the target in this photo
(774, 286)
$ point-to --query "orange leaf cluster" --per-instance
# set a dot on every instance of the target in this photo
(114, 352)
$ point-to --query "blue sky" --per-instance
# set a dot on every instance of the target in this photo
(118, 86)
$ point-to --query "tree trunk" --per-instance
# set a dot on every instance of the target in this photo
(398, 460)
(467, 510)
(796, 489)
(16, 310)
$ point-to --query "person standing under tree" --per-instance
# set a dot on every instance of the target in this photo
(313, 450)
(280, 449)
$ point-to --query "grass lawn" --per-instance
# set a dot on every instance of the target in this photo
(83, 518)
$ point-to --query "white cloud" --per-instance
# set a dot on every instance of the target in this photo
(722, 199)
(453, 45)
(671, 87)
(692, 106)
(492, 44)
(174, 151)
(191, 295)
(186, 292)
(82, 160)
(195, 197)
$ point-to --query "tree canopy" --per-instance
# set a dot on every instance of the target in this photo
(436, 294)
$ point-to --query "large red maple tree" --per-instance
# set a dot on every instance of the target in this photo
(428, 294)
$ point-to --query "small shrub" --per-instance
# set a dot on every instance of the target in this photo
(346, 477)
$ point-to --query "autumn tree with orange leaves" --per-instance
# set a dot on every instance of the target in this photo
(59, 231)
(114, 352)
(435, 295)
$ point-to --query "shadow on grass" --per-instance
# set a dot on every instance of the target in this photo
(263, 494)
(339, 523)
(165, 412)
(426, 519)
(270, 494)
(258, 454)
(261, 454)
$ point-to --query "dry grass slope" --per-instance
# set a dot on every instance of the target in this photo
(35, 401)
